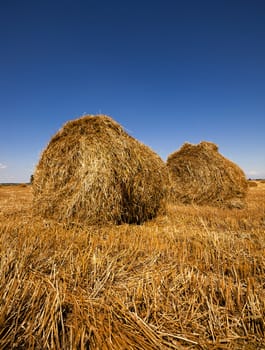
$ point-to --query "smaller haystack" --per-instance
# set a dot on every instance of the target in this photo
(93, 172)
(201, 175)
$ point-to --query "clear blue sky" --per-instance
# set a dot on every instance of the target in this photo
(168, 71)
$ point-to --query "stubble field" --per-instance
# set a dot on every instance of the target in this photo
(193, 278)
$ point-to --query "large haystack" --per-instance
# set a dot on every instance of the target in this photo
(93, 172)
(200, 174)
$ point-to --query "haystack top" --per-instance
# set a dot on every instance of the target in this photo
(88, 125)
(202, 147)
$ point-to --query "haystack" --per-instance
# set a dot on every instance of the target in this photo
(201, 175)
(93, 172)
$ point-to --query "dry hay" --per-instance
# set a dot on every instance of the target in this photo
(201, 175)
(252, 183)
(93, 172)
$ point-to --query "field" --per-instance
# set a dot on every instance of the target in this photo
(193, 278)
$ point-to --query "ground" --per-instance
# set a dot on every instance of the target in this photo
(193, 278)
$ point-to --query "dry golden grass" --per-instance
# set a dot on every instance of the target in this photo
(252, 183)
(193, 278)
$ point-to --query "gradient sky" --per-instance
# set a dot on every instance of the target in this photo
(168, 71)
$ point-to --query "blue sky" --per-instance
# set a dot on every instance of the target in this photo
(168, 71)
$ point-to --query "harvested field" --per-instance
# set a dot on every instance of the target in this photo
(193, 278)
(252, 183)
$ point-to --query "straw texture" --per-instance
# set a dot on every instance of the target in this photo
(93, 172)
(201, 175)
